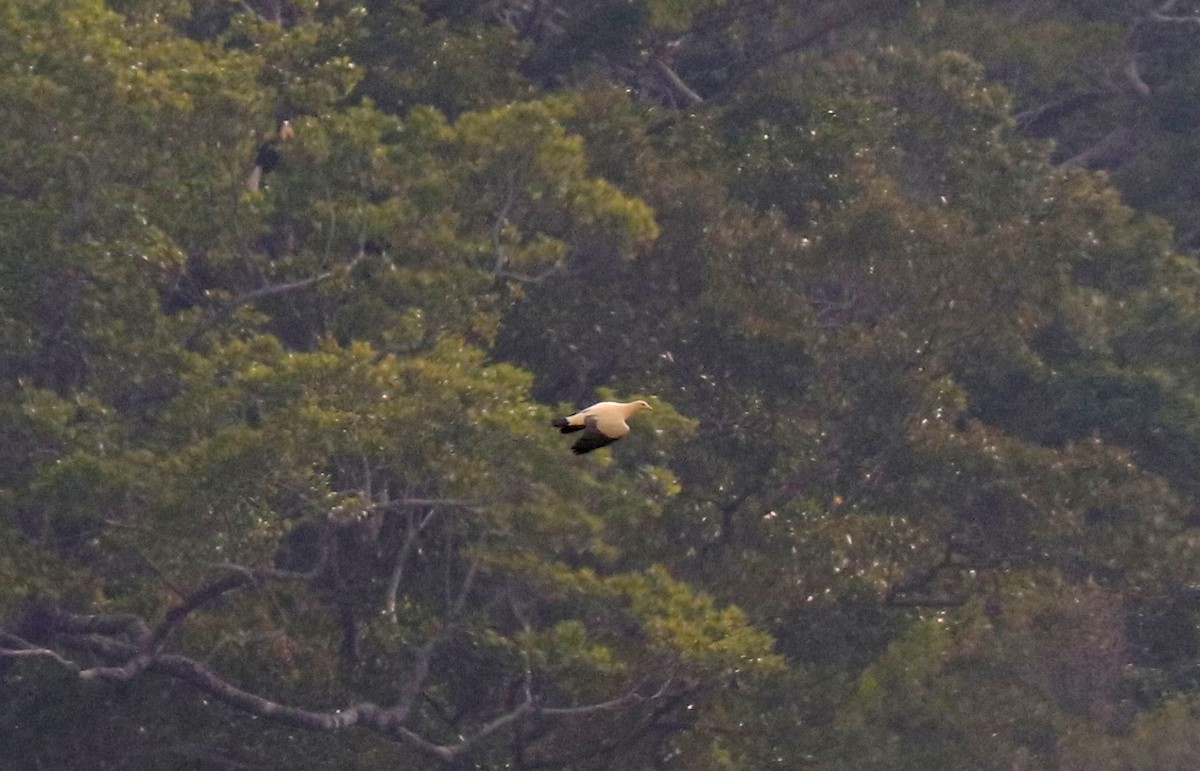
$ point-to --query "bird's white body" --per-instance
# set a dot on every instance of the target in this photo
(610, 417)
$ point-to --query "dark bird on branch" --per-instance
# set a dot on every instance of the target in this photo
(267, 157)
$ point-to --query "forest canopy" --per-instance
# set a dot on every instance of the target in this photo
(290, 292)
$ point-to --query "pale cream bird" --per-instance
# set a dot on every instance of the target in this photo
(601, 424)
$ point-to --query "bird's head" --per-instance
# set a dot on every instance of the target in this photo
(286, 132)
(640, 405)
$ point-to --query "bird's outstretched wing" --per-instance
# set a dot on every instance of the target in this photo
(592, 438)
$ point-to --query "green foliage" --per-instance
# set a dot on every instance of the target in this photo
(918, 486)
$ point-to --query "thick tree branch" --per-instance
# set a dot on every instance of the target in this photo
(125, 660)
(178, 614)
(91, 632)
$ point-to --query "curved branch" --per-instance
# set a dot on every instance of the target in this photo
(178, 614)
(1160, 15)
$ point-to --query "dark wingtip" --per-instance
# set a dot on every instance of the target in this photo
(559, 422)
(592, 440)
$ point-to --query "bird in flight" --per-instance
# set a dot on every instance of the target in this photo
(602, 424)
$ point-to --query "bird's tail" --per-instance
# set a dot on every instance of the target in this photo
(255, 180)
(562, 425)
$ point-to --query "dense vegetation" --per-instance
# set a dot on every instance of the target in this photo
(912, 287)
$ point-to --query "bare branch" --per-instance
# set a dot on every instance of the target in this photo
(410, 540)
(150, 645)
(526, 278)
(18, 653)
(1117, 144)
(1133, 72)
(126, 647)
(369, 715)
(270, 291)
(499, 223)
(416, 503)
(261, 574)
(26, 649)
(115, 624)
(676, 81)
(499, 269)
(1057, 108)
(415, 682)
(290, 286)
(176, 615)
(633, 697)
(461, 600)
(649, 722)
(384, 720)
(1160, 15)
(495, 725)
(124, 673)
